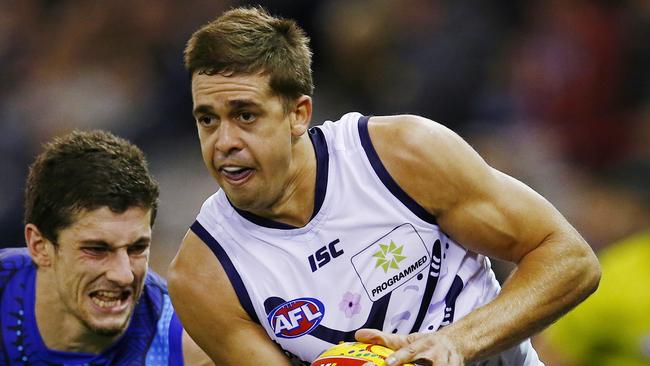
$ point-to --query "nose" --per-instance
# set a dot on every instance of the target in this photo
(120, 271)
(228, 139)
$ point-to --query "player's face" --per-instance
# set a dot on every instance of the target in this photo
(100, 264)
(246, 137)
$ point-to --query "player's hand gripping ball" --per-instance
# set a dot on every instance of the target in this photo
(354, 354)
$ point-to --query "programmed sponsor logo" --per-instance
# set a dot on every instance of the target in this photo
(297, 317)
(391, 261)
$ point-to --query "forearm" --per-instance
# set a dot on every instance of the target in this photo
(549, 281)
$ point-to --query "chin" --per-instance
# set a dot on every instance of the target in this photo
(107, 329)
(107, 326)
(242, 201)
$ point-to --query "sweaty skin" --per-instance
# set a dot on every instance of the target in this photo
(88, 284)
(241, 124)
(258, 154)
(490, 213)
(478, 206)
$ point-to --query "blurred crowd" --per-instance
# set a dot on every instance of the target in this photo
(553, 92)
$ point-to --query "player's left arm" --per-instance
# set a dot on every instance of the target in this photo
(193, 355)
(494, 214)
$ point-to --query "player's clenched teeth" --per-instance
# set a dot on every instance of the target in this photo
(109, 299)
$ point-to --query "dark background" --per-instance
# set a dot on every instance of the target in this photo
(555, 93)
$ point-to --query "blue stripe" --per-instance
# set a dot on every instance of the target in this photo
(159, 350)
(375, 321)
(386, 178)
(432, 282)
(176, 342)
(322, 166)
(450, 301)
(230, 269)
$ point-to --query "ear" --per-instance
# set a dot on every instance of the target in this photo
(301, 116)
(37, 245)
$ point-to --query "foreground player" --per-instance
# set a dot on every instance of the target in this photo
(80, 294)
(364, 223)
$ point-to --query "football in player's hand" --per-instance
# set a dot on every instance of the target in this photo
(354, 354)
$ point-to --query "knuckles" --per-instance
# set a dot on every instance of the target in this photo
(431, 349)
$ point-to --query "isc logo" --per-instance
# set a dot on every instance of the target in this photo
(324, 255)
(296, 317)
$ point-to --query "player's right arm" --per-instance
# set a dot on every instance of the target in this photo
(211, 313)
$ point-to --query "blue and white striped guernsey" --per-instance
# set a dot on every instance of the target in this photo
(370, 257)
(153, 338)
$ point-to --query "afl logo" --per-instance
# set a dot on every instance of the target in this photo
(297, 317)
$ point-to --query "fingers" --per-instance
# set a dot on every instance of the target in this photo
(428, 349)
(408, 352)
(373, 336)
(368, 336)
(425, 349)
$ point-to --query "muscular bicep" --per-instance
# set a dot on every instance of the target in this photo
(210, 311)
(481, 208)
(502, 217)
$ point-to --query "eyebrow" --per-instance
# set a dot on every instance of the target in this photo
(242, 103)
(233, 104)
(202, 109)
(142, 240)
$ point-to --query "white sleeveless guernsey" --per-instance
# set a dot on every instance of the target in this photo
(370, 257)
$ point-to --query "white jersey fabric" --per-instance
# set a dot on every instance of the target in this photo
(370, 257)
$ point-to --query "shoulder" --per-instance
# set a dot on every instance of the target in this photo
(15, 257)
(415, 134)
(154, 298)
(210, 310)
(13, 260)
(154, 281)
(195, 276)
(196, 267)
(420, 141)
(420, 153)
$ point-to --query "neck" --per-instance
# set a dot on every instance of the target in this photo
(296, 204)
(59, 329)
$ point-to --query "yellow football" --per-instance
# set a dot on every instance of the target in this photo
(354, 354)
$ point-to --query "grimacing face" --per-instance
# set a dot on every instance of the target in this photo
(246, 137)
(100, 263)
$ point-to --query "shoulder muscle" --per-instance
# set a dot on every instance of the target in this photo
(481, 208)
(210, 311)
(428, 160)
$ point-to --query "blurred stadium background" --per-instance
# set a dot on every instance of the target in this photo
(554, 92)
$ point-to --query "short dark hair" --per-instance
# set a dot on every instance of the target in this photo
(85, 171)
(248, 40)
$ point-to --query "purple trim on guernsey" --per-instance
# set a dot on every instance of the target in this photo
(432, 282)
(450, 301)
(322, 166)
(386, 178)
(230, 269)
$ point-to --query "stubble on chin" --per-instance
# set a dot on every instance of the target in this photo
(110, 332)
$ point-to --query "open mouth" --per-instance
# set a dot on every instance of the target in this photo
(236, 174)
(111, 300)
